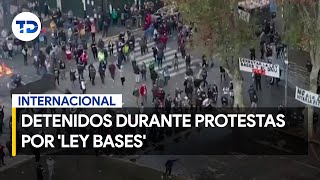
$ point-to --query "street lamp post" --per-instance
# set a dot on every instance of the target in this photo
(84, 8)
(286, 62)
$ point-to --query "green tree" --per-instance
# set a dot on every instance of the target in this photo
(220, 32)
(302, 27)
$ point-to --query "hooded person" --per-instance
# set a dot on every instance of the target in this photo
(112, 70)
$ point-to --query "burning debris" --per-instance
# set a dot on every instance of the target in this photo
(5, 70)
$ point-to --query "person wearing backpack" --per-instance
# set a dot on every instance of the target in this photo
(126, 51)
(136, 94)
(92, 73)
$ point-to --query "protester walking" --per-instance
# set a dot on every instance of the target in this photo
(143, 93)
(112, 70)
(168, 166)
(92, 73)
(1, 118)
(175, 62)
(136, 94)
(122, 77)
(50, 164)
(39, 172)
(2, 154)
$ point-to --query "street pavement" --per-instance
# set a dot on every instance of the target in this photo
(237, 167)
(84, 168)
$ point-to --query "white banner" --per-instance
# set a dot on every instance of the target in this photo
(266, 69)
(307, 97)
(244, 15)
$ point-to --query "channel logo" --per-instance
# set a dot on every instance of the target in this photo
(26, 26)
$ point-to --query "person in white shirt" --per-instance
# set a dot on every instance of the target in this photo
(83, 86)
(50, 164)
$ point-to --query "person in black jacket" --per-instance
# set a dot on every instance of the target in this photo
(73, 75)
(94, 50)
(92, 74)
(102, 71)
(56, 75)
(168, 165)
(1, 118)
(257, 80)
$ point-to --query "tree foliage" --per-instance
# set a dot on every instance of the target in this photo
(220, 30)
(302, 22)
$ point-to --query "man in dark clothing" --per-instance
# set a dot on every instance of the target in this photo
(105, 27)
(257, 79)
(2, 154)
(94, 50)
(56, 75)
(168, 165)
(204, 76)
(155, 52)
(40, 172)
(102, 71)
(92, 74)
(160, 57)
(252, 54)
(188, 61)
(25, 55)
(252, 92)
(222, 73)
(1, 118)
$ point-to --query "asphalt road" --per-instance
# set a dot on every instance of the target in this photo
(84, 168)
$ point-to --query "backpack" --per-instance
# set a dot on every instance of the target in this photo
(151, 65)
(126, 49)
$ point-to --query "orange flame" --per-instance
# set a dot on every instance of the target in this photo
(5, 70)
